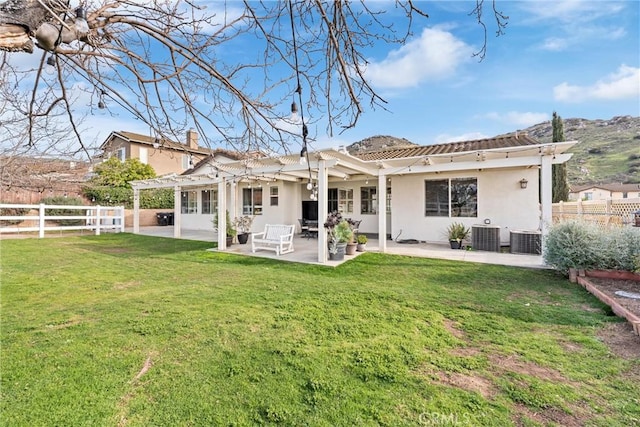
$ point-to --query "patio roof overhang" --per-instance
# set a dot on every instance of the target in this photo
(341, 165)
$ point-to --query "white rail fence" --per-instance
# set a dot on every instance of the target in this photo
(604, 213)
(97, 218)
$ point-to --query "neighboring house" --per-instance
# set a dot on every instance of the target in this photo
(411, 192)
(604, 191)
(164, 156)
(28, 180)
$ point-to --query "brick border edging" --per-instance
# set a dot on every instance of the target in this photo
(606, 299)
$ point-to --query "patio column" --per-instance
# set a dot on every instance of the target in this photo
(545, 196)
(177, 211)
(222, 217)
(136, 211)
(382, 212)
(323, 206)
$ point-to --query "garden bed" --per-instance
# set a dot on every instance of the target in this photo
(606, 286)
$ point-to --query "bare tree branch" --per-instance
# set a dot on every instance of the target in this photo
(168, 64)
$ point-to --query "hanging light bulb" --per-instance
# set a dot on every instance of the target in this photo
(309, 185)
(101, 105)
(51, 61)
(81, 25)
(294, 108)
(303, 155)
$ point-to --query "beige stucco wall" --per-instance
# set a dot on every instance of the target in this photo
(500, 201)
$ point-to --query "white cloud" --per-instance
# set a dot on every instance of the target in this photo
(516, 118)
(434, 56)
(571, 11)
(625, 83)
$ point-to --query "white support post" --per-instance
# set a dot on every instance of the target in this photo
(546, 197)
(136, 212)
(98, 221)
(177, 211)
(122, 214)
(323, 207)
(382, 213)
(41, 221)
(222, 217)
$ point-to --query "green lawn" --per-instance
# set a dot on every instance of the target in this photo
(124, 330)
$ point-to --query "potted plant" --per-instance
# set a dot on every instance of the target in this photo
(457, 232)
(243, 227)
(230, 230)
(362, 243)
(339, 234)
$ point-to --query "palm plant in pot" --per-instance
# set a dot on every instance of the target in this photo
(230, 230)
(457, 232)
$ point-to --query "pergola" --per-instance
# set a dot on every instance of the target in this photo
(326, 166)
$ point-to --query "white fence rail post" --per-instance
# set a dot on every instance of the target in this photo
(97, 218)
(41, 211)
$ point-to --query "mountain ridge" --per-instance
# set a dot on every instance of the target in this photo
(608, 150)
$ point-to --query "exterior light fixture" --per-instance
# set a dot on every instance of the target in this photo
(523, 183)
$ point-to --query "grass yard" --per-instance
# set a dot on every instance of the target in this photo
(129, 330)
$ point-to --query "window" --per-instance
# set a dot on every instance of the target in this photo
(388, 200)
(340, 200)
(588, 196)
(121, 154)
(209, 201)
(252, 201)
(451, 197)
(144, 155)
(187, 161)
(368, 200)
(273, 196)
(189, 202)
(332, 199)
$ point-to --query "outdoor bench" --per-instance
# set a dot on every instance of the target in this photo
(275, 237)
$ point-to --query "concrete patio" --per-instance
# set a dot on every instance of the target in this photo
(306, 250)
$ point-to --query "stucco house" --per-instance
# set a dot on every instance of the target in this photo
(165, 156)
(604, 191)
(501, 184)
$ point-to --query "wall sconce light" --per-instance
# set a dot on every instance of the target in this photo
(523, 183)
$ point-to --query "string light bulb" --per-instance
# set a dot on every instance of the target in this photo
(81, 25)
(303, 155)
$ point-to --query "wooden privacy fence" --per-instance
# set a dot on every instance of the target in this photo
(97, 218)
(604, 213)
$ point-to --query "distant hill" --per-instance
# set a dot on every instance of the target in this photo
(608, 152)
(378, 142)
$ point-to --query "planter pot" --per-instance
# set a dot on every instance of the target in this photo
(455, 244)
(351, 248)
(339, 254)
(361, 247)
(243, 238)
(229, 240)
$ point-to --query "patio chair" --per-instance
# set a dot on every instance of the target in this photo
(304, 228)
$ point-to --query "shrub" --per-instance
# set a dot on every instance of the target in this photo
(159, 198)
(581, 245)
(12, 212)
(60, 200)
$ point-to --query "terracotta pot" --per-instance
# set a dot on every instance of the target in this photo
(351, 248)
